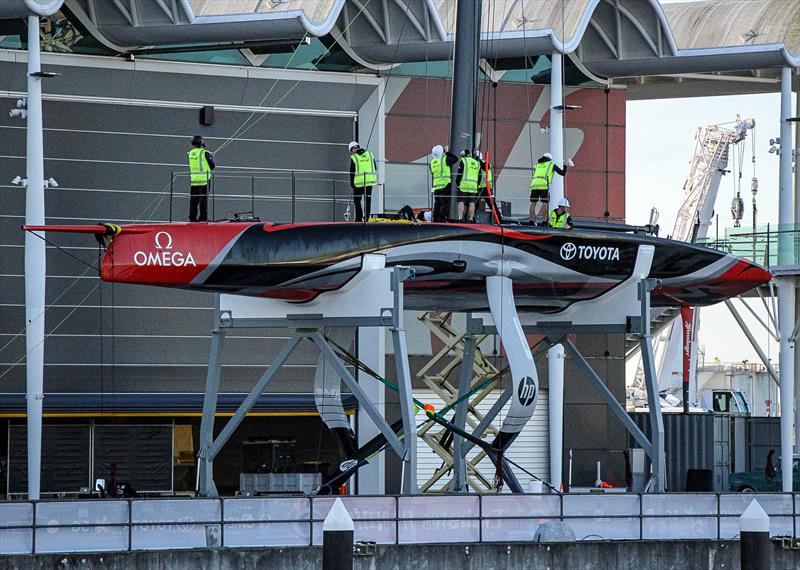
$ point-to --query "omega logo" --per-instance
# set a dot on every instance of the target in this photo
(163, 256)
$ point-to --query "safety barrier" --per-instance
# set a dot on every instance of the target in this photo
(770, 245)
(280, 521)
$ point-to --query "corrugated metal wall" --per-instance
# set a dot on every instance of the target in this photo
(688, 444)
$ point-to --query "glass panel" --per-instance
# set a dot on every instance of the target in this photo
(360, 508)
(521, 506)
(82, 513)
(438, 507)
(511, 530)
(778, 526)
(605, 528)
(773, 504)
(191, 510)
(16, 541)
(438, 531)
(677, 504)
(266, 534)
(82, 539)
(16, 514)
(169, 536)
(266, 509)
(669, 528)
(382, 532)
(601, 505)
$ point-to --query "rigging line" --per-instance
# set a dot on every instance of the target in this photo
(37, 317)
(243, 129)
(529, 109)
(159, 198)
(388, 77)
(59, 248)
(75, 308)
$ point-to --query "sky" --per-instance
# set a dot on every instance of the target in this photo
(659, 145)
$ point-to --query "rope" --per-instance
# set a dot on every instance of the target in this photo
(151, 207)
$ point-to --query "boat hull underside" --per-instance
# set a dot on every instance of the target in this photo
(551, 269)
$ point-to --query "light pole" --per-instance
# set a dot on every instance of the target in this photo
(35, 246)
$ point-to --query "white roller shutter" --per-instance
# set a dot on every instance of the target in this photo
(530, 450)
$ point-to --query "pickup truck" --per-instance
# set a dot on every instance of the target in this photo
(759, 482)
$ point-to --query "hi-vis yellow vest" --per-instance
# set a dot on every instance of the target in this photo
(441, 173)
(469, 175)
(482, 183)
(542, 175)
(366, 174)
(200, 171)
(557, 221)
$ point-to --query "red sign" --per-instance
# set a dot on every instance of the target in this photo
(687, 320)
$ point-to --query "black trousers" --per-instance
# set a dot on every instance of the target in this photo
(441, 204)
(357, 194)
(198, 199)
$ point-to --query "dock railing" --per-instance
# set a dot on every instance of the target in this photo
(283, 521)
(770, 245)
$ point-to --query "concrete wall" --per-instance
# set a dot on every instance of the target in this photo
(587, 556)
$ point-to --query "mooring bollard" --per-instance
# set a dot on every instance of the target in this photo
(754, 529)
(337, 539)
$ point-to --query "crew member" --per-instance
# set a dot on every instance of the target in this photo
(201, 163)
(540, 182)
(467, 182)
(440, 171)
(560, 218)
(483, 192)
(363, 176)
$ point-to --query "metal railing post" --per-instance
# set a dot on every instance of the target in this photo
(171, 185)
(253, 196)
(293, 197)
(213, 198)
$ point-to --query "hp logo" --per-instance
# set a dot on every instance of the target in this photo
(527, 391)
(568, 251)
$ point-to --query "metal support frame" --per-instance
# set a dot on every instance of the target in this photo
(753, 342)
(307, 327)
(627, 309)
(657, 457)
(458, 483)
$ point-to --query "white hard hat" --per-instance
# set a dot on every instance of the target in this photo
(478, 154)
(548, 155)
(563, 202)
(352, 145)
(437, 151)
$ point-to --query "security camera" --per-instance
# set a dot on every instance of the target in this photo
(16, 180)
(52, 182)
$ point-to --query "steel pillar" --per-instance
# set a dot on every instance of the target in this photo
(34, 263)
(556, 127)
(753, 341)
(205, 462)
(657, 457)
(796, 155)
(459, 482)
(465, 84)
(404, 385)
(555, 408)
(786, 284)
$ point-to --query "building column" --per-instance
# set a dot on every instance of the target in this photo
(371, 478)
(786, 284)
(796, 156)
(556, 127)
(371, 135)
